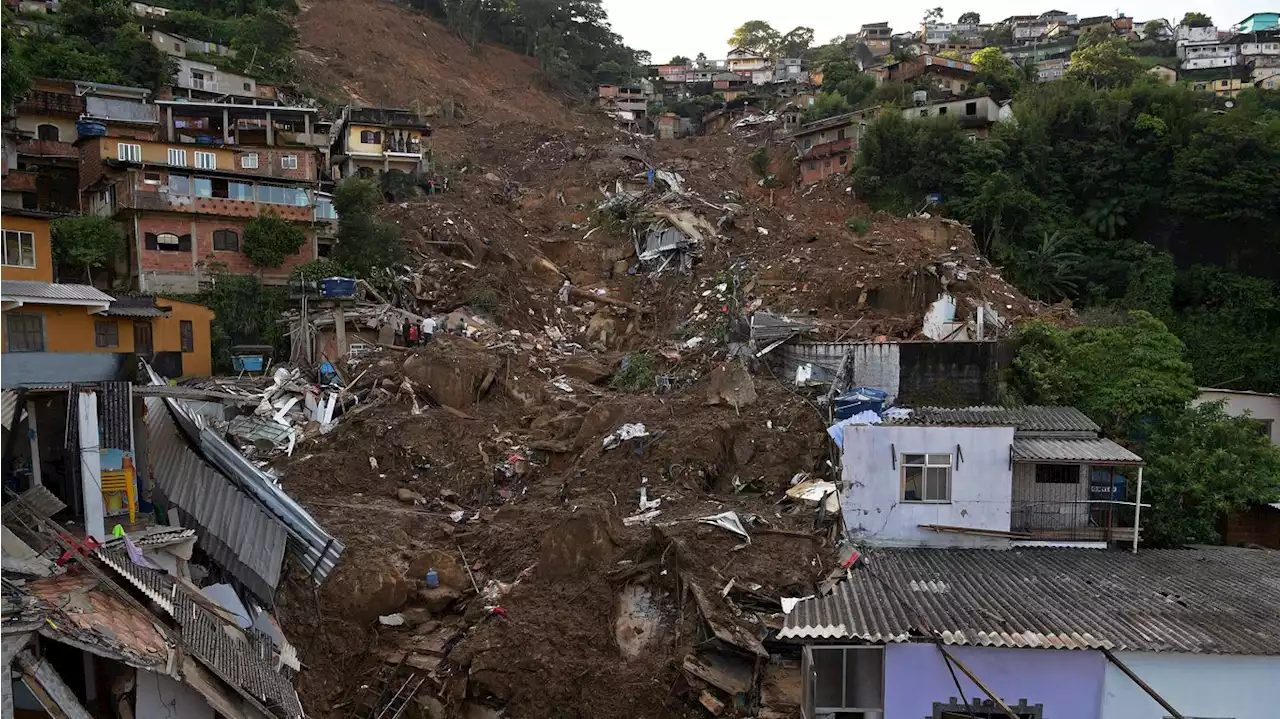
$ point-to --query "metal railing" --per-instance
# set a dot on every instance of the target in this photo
(1080, 520)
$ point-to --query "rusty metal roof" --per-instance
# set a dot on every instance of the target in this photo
(1211, 600)
(1024, 419)
(1050, 449)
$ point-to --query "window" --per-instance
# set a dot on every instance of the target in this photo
(206, 160)
(151, 178)
(47, 132)
(24, 331)
(202, 187)
(249, 161)
(19, 249)
(179, 185)
(177, 157)
(289, 162)
(971, 108)
(924, 112)
(1057, 474)
(128, 152)
(277, 195)
(240, 191)
(106, 333)
(226, 241)
(942, 111)
(248, 87)
(840, 134)
(926, 477)
(167, 242)
(324, 209)
(370, 137)
(846, 680)
(187, 331)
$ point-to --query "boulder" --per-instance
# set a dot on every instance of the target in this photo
(450, 370)
(448, 568)
(408, 496)
(586, 369)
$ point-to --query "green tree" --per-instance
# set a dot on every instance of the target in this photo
(755, 36)
(1201, 464)
(701, 60)
(826, 104)
(933, 15)
(1108, 63)
(1050, 271)
(997, 73)
(1197, 19)
(679, 60)
(245, 313)
(970, 18)
(1153, 29)
(17, 76)
(269, 239)
(795, 43)
(364, 243)
(87, 242)
(1119, 375)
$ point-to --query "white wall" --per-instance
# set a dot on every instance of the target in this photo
(981, 484)
(1197, 685)
(159, 697)
(1259, 406)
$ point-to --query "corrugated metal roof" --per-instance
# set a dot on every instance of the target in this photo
(317, 550)
(8, 403)
(233, 529)
(1048, 449)
(1213, 600)
(246, 665)
(1026, 419)
(29, 290)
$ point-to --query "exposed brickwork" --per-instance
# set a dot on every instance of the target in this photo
(202, 230)
(270, 163)
(91, 167)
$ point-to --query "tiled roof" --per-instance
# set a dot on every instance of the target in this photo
(240, 659)
(35, 291)
(1049, 449)
(1026, 419)
(1212, 600)
(85, 614)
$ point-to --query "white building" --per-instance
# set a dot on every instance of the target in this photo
(941, 33)
(200, 79)
(1204, 55)
(988, 477)
(745, 61)
(1262, 407)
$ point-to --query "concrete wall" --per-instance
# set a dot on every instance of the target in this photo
(1197, 685)
(21, 368)
(1259, 406)
(981, 484)
(159, 697)
(39, 228)
(1068, 683)
(68, 328)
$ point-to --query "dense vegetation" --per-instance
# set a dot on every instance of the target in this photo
(1129, 375)
(571, 39)
(104, 41)
(1116, 193)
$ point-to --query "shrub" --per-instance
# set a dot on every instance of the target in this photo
(858, 225)
(636, 374)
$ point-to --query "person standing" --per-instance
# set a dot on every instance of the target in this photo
(428, 329)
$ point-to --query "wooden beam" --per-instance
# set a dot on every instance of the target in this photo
(974, 678)
(1143, 685)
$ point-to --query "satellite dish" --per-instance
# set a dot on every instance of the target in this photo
(1230, 104)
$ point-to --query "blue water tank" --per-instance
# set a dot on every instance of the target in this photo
(857, 400)
(338, 287)
(88, 128)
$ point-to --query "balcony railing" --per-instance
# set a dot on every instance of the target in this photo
(1082, 520)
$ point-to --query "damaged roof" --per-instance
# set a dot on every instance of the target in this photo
(1210, 600)
(79, 611)
(1024, 419)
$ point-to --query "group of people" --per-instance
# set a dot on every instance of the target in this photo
(417, 334)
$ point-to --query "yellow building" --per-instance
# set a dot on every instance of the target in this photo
(59, 333)
(1222, 87)
(376, 140)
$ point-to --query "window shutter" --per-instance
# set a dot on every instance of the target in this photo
(151, 243)
(184, 243)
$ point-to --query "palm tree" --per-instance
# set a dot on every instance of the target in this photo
(1048, 272)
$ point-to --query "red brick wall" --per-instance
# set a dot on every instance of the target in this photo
(813, 170)
(1258, 525)
(91, 167)
(202, 230)
(269, 162)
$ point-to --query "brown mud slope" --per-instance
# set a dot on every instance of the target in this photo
(381, 55)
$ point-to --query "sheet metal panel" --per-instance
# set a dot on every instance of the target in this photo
(1212, 600)
(31, 290)
(1048, 449)
(232, 528)
(1024, 419)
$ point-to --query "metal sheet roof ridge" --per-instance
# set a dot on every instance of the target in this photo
(1029, 418)
(53, 290)
(1095, 449)
(1197, 600)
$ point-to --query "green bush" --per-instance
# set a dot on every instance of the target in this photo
(482, 296)
(858, 225)
(636, 374)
